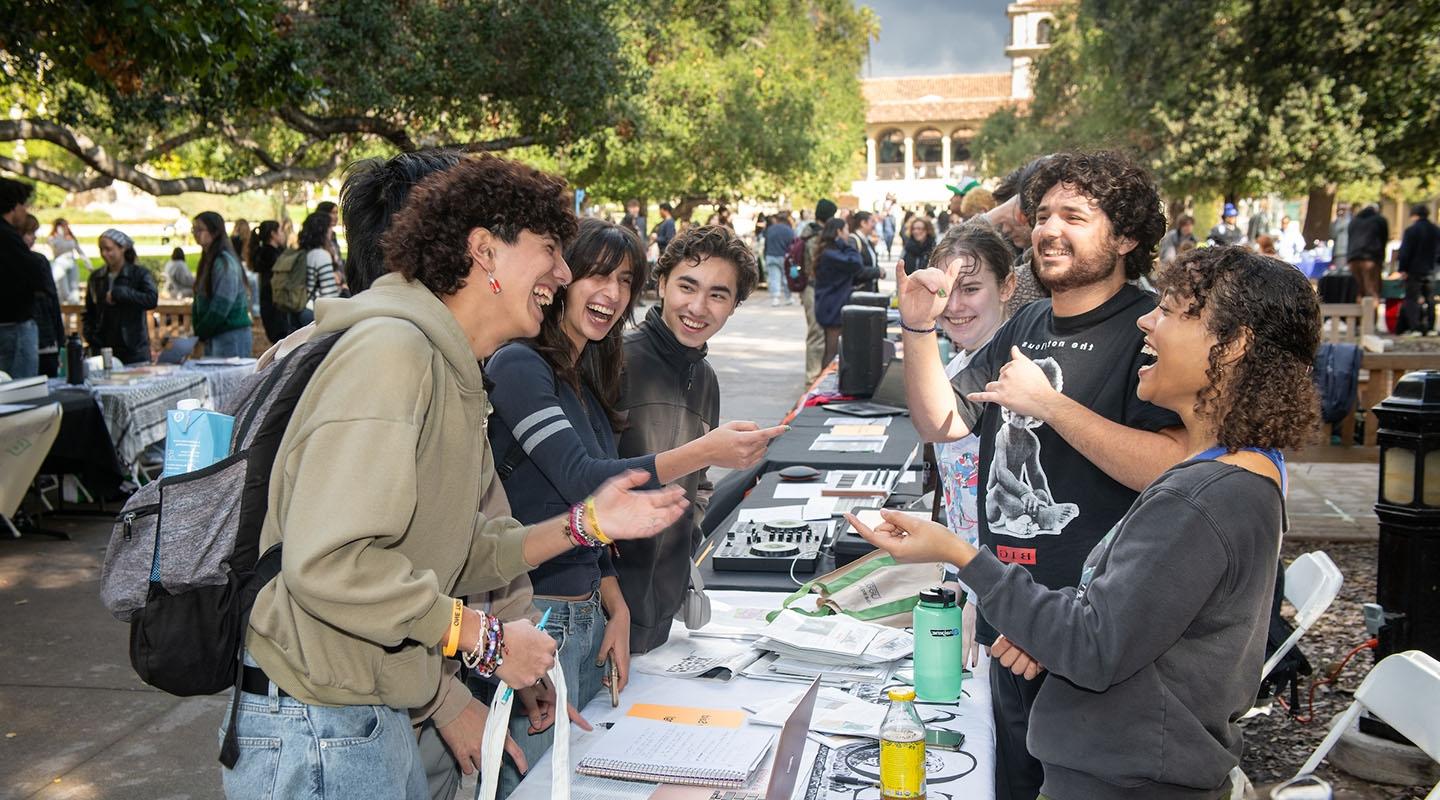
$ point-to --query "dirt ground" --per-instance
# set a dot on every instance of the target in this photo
(1276, 745)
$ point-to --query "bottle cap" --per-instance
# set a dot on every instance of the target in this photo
(938, 596)
(188, 405)
(903, 694)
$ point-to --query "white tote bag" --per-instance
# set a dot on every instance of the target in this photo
(492, 748)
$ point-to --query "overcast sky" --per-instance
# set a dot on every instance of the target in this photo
(927, 37)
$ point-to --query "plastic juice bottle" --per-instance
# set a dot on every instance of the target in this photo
(902, 749)
(939, 655)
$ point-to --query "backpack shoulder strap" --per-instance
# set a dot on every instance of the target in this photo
(514, 457)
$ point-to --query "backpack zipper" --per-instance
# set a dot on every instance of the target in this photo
(128, 519)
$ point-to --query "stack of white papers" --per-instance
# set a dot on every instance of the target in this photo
(834, 640)
(772, 667)
(742, 623)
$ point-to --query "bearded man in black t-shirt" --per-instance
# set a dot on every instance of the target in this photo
(1054, 391)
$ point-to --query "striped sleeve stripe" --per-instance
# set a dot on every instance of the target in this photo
(543, 434)
(523, 427)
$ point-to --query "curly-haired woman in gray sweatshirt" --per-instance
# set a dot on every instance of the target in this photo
(1157, 653)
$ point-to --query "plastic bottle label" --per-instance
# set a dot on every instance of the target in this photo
(902, 770)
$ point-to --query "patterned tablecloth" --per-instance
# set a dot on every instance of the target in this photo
(224, 379)
(135, 412)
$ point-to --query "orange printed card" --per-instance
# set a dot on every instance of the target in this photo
(703, 717)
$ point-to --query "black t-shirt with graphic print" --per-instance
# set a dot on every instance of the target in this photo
(1044, 505)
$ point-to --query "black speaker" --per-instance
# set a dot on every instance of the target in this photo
(877, 299)
(862, 350)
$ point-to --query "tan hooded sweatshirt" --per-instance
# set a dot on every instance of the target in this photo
(376, 494)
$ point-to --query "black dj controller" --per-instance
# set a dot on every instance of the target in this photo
(776, 546)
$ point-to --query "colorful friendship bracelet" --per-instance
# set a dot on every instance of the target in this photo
(595, 522)
(488, 653)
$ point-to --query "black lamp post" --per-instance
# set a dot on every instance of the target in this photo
(1406, 614)
(1407, 580)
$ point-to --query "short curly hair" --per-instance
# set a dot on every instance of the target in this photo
(1266, 398)
(429, 238)
(1123, 189)
(712, 241)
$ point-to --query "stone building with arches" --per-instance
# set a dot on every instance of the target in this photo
(918, 128)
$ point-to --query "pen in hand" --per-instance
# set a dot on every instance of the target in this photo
(544, 618)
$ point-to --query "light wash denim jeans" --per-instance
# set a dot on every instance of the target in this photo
(234, 342)
(289, 749)
(775, 276)
(577, 627)
(20, 349)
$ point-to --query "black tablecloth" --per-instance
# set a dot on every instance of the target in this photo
(763, 496)
(83, 446)
(793, 447)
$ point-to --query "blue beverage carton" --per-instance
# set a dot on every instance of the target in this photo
(195, 438)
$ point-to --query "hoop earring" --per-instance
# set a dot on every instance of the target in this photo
(494, 284)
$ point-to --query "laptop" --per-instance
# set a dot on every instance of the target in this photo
(784, 770)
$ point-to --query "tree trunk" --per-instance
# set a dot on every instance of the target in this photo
(687, 207)
(1318, 211)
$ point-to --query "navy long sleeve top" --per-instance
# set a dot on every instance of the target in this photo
(568, 451)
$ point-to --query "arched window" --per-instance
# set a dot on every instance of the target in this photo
(1042, 32)
(959, 152)
(890, 147)
(929, 153)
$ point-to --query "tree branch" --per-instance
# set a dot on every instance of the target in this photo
(494, 145)
(66, 182)
(171, 143)
(326, 127)
(245, 143)
(111, 169)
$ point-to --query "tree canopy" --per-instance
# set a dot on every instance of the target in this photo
(659, 99)
(1238, 96)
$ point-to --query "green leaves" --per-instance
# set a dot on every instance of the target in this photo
(1239, 96)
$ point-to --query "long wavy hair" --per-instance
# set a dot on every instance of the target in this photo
(219, 243)
(1265, 397)
(599, 248)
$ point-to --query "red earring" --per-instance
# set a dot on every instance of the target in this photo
(494, 284)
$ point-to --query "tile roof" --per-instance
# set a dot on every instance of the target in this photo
(935, 97)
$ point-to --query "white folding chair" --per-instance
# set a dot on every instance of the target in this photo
(1404, 691)
(1312, 582)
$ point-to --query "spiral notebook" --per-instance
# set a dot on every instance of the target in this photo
(655, 751)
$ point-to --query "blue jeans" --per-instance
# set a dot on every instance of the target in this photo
(234, 342)
(578, 628)
(20, 349)
(775, 276)
(289, 749)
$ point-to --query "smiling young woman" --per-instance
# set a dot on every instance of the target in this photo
(1160, 644)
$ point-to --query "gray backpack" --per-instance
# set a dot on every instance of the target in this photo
(184, 563)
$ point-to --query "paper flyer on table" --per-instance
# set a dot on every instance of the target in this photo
(734, 622)
(706, 657)
(883, 422)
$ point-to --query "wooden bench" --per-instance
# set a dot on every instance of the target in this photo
(166, 321)
(1349, 323)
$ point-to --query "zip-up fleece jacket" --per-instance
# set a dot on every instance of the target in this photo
(376, 494)
(1157, 654)
(671, 396)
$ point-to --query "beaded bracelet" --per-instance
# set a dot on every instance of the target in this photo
(491, 639)
(575, 526)
(920, 331)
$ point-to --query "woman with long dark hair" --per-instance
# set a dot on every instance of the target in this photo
(1159, 647)
(553, 433)
(222, 303)
(116, 299)
(266, 245)
(320, 267)
(838, 266)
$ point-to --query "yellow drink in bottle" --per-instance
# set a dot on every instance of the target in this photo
(902, 749)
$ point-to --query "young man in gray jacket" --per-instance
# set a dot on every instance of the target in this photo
(672, 398)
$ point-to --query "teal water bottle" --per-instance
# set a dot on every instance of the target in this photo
(938, 646)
